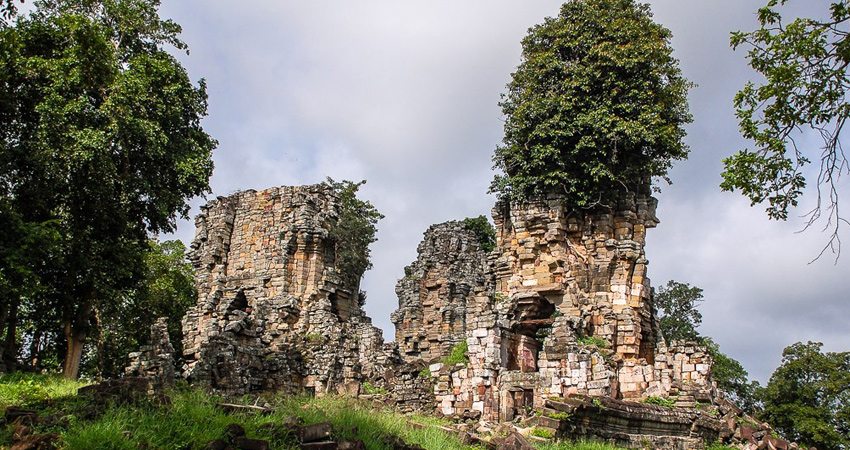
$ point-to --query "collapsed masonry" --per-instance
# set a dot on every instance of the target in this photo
(274, 312)
(557, 319)
(563, 307)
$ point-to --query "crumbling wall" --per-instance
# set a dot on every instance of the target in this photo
(434, 292)
(570, 313)
(154, 361)
(273, 312)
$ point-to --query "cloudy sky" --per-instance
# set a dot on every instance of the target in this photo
(404, 94)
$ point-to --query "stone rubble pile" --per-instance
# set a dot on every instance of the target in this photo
(154, 361)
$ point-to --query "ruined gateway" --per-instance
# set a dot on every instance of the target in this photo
(558, 313)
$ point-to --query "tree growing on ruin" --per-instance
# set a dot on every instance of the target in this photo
(353, 231)
(101, 138)
(596, 107)
(805, 66)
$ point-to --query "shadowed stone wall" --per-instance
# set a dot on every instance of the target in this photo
(273, 312)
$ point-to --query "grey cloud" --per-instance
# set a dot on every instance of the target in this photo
(405, 95)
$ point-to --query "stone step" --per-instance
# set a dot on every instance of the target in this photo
(548, 422)
(567, 405)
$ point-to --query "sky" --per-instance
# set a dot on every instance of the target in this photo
(404, 94)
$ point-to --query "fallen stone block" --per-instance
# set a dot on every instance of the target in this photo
(316, 432)
(243, 443)
(40, 442)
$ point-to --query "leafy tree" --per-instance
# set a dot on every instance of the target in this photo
(678, 319)
(100, 135)
(732, 378)
(595, 108)
(808, 397)
(484, 231)
(805, 63)
(353, 231)
(167, 290)
(678, 315)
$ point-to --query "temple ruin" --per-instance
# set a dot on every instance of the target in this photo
(557, 321)
(274, 312)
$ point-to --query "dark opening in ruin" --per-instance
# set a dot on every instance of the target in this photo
(525, 340)
(240, 302)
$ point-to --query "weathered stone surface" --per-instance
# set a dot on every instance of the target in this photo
(433, 295)
(156, 360)
(569, 311)
(274, 312)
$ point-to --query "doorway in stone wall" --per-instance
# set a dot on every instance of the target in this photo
(523, 343)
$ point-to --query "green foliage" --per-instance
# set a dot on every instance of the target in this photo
(578, 445)
(457, 355)
(29, 389)
(660, 401)
(808, 397)
(559, 415)
(678, 316)
(425, 372)
(732, 378)
(483, 230)
(804, 62)
(596, 107)
(372, 390)
(594, 341)
(719, 446)
(353, 231)
(542, 433)
(100, 137)
(167, 290)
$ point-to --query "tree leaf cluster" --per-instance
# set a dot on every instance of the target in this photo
(596, 107)
(484, 231)
(808, 397)
(101, 146)
(678, 320)
(805, 66)
(354, 230)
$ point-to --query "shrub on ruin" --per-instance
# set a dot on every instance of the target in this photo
(596, 107)
(353, 231)
(457, 355)
(484, 231)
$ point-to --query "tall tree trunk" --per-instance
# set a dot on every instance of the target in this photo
(76, 331)
(10, 351)
(4, 312)
(35, 348)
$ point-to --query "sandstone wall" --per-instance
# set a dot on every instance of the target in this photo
(434, 292)
(570, 313)
(273, 312)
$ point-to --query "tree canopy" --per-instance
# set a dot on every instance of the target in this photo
(596, 107)
(808, 397)
(805, 65)
(678, 315)
(101, 144)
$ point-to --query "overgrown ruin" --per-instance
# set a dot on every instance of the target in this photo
(274, 312)
(558, 320)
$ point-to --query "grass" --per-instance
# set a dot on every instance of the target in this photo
(579, 445)
(25, 389)
(193, 420)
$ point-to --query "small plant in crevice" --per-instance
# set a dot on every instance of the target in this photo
(594, 341)
(660, 401)
(370, 389)
(543, 433)
(457, 355)
(484, 232)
